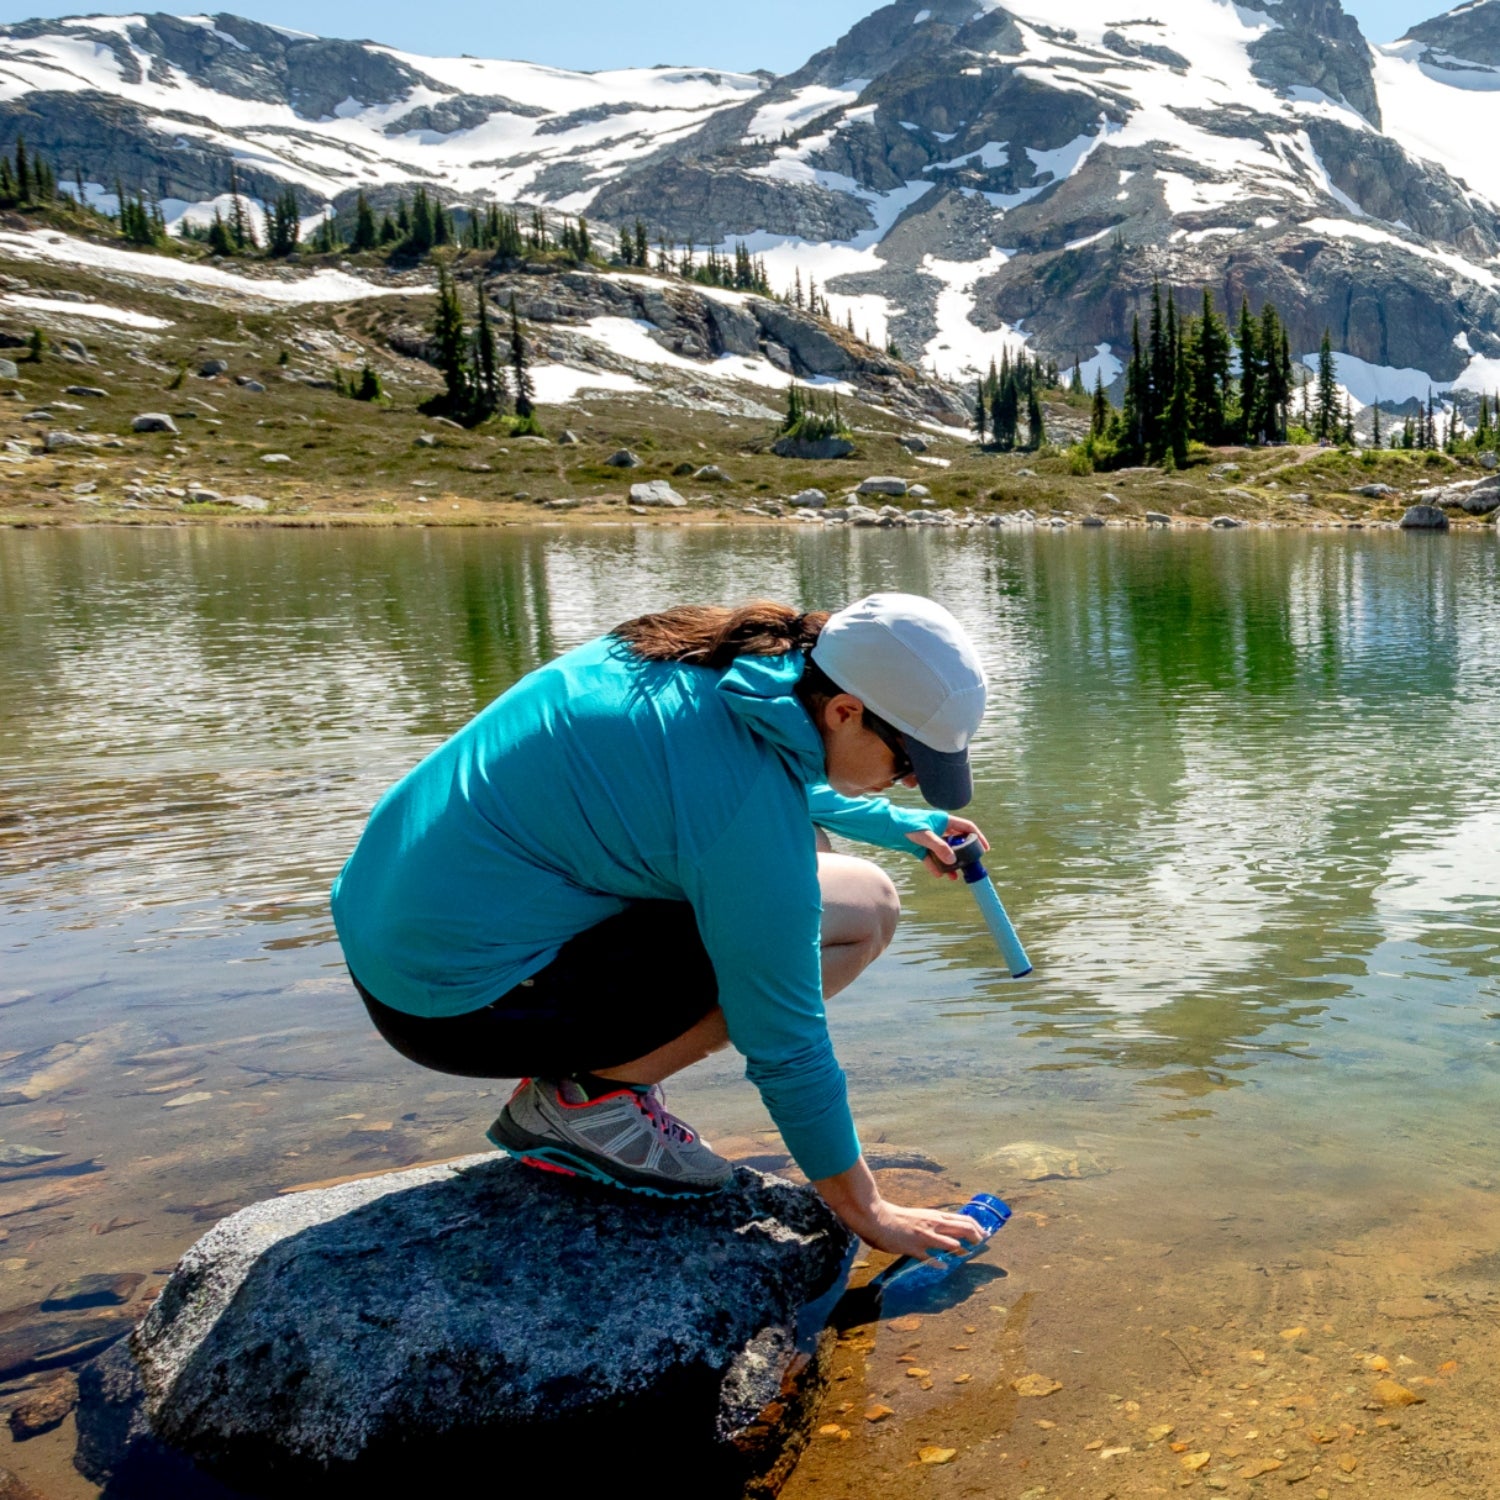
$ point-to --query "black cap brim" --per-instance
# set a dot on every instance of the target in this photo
(943, 776)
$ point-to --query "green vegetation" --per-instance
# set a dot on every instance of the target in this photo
(1189, 381)
(1004, 393)
(809, 418)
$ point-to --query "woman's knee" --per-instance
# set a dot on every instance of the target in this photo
(860, 904)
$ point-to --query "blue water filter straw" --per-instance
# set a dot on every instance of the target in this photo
(969, 854)
(908, 1275)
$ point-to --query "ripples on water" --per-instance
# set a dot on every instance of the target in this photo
(1240, 790)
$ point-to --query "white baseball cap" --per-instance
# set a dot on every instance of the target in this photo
(912, 664)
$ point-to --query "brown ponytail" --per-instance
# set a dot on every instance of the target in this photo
(708, 635)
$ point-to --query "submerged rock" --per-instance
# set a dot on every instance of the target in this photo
(42, 1410)
(1036, 1161)
(478, 1312)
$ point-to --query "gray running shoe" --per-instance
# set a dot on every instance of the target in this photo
(627, 1140)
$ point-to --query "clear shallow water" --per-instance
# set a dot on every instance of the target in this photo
(1240, 788)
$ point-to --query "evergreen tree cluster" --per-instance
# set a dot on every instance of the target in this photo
(1191, 380)
(807, 417)
(1010, 391)
(283, 225)
(475, 383)
(26, 180)
(140, 219)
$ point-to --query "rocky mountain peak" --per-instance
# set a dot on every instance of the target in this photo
(1318, 46)
(1469, 34)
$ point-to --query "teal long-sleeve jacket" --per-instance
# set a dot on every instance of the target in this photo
(598, 780)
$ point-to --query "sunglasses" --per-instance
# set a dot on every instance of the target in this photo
(893, 741)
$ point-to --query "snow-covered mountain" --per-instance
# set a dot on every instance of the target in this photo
(959, 175)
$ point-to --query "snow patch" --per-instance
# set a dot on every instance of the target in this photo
(961, 350)
(558, 385)
(321, 286)
(787, 116)
(1342, 229)
(98, 310)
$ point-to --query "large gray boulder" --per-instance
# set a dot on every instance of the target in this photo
(473, 1313)
(153, 421)
(1483, 499)
(656, 492)
(1424, 518)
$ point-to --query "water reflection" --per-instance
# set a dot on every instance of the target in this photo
(1223, 774)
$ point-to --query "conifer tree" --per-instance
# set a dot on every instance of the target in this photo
(23, 171)
(1158, 388)
(1036, 427)
(284, 227)
(1326, 409)
(520, 371)
(1099, 416)
(489, 386)
(1376, 437)
(219, 240)
(1176, 427)
(1136, 396)
(8, 195)
(1252, 383)
(421, 236)
(365, 232)
(453, 354)
(1276, 375)
(1076, 387)
(982, 414)
(241, 230)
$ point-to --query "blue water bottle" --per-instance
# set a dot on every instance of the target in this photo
(909, 1275)
(968, 854)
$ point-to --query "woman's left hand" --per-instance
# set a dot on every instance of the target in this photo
(940, 858)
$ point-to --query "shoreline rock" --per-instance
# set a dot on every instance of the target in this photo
(473, 1313)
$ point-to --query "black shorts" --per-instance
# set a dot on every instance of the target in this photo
(612, 994)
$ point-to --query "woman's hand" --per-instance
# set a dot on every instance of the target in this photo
(882, 1225)
(914, 1231)
(940, 858)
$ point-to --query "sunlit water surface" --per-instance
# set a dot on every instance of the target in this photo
(1241, 792)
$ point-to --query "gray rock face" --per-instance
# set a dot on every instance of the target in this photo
(656, 492)
(1227, 523)
(809, 500)
(1483, 499)
(1317, 45)
(153, 421)
(881, 484)
(57, 441)
(477, 1311)
(624, 459)
(1470, 33)
(9, 370)
(84, 390)
(1375, 491)
(211, 367)
(1424, 518)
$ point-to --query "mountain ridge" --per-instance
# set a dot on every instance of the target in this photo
(963, 176)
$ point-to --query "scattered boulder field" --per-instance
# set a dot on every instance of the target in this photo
(214, 405)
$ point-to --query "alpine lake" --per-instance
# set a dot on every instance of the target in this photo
(1241, 791)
